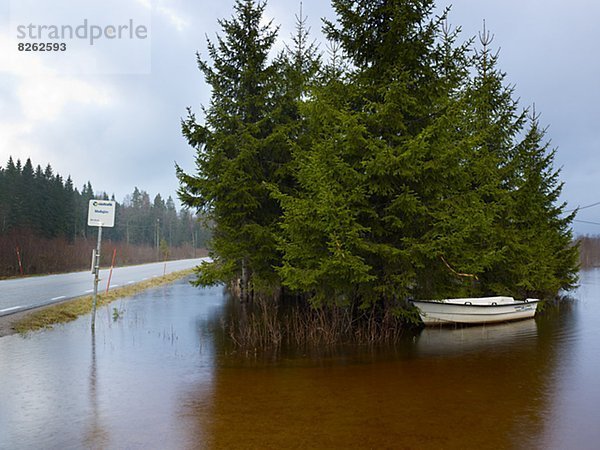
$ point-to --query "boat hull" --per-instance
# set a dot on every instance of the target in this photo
(470, 311)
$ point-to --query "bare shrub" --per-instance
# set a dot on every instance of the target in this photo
(589, 251)
(58, 255)
(268, 324)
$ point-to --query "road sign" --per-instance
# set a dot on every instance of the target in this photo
(101, 213)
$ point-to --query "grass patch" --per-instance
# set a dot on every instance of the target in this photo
(72, 309)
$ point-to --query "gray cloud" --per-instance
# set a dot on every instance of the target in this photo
(133, 138)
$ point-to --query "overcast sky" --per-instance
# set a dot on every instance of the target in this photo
(111, 115)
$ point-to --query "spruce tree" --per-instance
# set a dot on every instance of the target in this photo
(25, 187)
(503, 227)
(234, 159)
(3, 200)
(541, 258)
(322, 239)
(69, 197)
(406, 71)
(12, 174)
(87, 194)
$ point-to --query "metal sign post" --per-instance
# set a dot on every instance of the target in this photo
(96, 273)
(101, 213)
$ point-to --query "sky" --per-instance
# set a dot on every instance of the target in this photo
(110, 113)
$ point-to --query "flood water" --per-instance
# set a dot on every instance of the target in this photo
(161, 376)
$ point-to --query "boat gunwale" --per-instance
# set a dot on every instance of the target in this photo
(479, 305)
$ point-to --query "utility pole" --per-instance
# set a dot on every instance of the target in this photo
(158, 239)
(194, 241)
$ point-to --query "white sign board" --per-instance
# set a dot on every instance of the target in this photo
(101, 213)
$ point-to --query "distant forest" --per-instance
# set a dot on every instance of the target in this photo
(43, 221)
(589, 251)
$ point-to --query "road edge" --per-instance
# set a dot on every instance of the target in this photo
(46, 316)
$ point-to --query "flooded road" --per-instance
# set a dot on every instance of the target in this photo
(161, 376)
(21, 294)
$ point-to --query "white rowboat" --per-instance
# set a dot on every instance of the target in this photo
(475, 310)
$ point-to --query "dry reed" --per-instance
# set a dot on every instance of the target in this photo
(268, 325)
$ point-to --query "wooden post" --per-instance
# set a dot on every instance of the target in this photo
(19, 258)
(112, 265)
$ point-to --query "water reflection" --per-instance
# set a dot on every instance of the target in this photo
(452, 341)
(571, 418)
(123, 389)
(165, 376)
(97, 436)
(478, 387)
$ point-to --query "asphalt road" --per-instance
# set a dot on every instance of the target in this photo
(26, 293)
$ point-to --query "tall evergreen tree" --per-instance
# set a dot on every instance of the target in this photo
(69, 199)
(234, 161)
(12, 174)
(3, 200)
(27, 200)
(404, 81)
(503, 227)
(542, 258)
(493, 123)
(170, 226)
(87, 194)
(322, 239)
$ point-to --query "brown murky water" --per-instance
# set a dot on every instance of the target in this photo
(160, 377)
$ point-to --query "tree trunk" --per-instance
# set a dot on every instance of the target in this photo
(244, 282)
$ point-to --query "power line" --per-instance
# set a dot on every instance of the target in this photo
(587, 221)
(583, 207)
